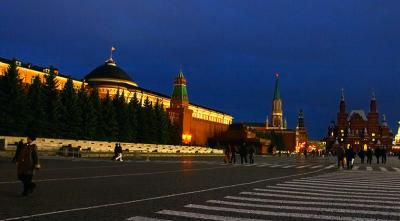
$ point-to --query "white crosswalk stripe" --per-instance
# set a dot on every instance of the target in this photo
(203, 216)
(331, 166)
(303, 208)
(141, 218)
(281, 214)
(342, 195)
(383, 169)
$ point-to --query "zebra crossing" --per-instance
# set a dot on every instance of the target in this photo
(341, 195)
(317, 166)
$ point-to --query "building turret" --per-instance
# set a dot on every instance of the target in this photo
(342, 115)
(301, 132)
(179, 111)
(179, 96)
(277, 112)
(372, 106)
(373, 116)
(342, 105)
(300, 119)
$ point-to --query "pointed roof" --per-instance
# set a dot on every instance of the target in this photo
(277, 92)
(342, 94)
(180, 93)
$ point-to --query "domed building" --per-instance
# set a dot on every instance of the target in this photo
(198, 123)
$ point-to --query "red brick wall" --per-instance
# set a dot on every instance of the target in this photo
(202, 130)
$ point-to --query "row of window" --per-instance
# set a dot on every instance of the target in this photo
(211, 118)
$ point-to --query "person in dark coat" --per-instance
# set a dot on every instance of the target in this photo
(377, 154)
(340, 157)
(361, 154)
(227, 153)
(369, 155)
(27, 161)
(243, 153)
(383, 155)
(118, 152)
(233, 153)
(349, 158)
(251, 151)
(20, 145)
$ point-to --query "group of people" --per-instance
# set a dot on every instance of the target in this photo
(349, 156)
(117, 152)
(243, 150)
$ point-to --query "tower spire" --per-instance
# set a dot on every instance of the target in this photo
(277, 93)
(373, 97)
(342, 94)
(277, 112)
(179, 94)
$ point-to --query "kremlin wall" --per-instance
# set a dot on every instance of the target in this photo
(197, 123)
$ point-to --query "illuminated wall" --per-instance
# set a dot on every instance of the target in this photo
(206, 122)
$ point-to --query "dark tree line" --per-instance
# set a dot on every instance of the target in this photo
(42, 109)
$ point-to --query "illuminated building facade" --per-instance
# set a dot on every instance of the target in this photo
(396, 142)
(358, 130)
(197, 123)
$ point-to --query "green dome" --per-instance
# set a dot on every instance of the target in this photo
(109, 73)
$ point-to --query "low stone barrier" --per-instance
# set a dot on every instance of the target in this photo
(50, 144)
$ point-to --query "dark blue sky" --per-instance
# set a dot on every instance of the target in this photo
(229, 50)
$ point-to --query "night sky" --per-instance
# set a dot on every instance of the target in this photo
(229, 50)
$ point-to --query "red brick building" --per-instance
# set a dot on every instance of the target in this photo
(358, 130)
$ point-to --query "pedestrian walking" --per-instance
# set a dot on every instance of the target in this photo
(227, 154)
(27, 161)
(350, 157)
(20, 145)
(243, 153)
(233, 151)
(340, 157)
(251, 153)
(361, 154)
(118, 152)
(383, 155)
(377, 154)
(369, 156)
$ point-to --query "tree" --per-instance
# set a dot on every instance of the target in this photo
(52, 106)
(162, 124)
(13, 112)
(89, 113)
(122, 117)
(94, 100)
(134, 109)
(147, 123)
(108, 126)
(37, 115)
(70, 118)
